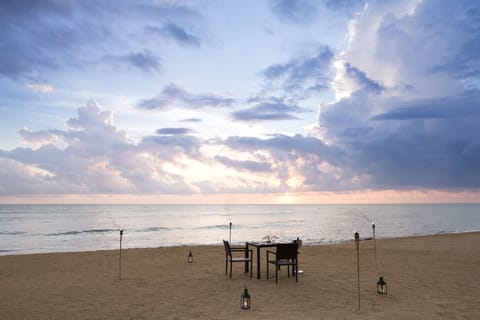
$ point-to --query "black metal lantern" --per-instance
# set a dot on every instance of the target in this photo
(190, 257)
(381, 285)
(245, 300)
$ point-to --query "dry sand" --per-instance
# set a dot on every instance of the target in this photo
(432, 277)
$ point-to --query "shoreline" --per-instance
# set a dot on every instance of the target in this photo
(326, 243)
(428, 277)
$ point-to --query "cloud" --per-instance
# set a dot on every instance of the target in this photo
(192, 120)
(145, 61)
(19, 178)
(40, 87)
(174, 131)
(304, 75)
(413, 43)
(153, 11)
(293, 11)
(38, 137)
(350, 79)
(350, 6)
(95, 156)
(298, 163)
(404, 117)
(91, 117)
(254, 166)
(38, 40)
(288, 145)
(462, 59)
(173, 95)
(465, 105)
(45, 39)
(425, 143)
(362, 80)
(276, 109)
(177, 33)
(170, 147)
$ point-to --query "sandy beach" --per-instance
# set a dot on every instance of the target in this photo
(430, 277)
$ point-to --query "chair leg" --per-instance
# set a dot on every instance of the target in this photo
(268, 269)
(251, 267)
(296, 270)
(226, 266)
(276, 275)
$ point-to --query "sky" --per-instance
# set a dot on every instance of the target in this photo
(269, 101)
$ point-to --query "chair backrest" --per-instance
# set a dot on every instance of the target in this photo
(228, 252)
(287, 251)
(299, 242)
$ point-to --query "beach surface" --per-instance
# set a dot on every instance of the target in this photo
(428, 277)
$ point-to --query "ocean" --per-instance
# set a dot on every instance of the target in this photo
(69, 228)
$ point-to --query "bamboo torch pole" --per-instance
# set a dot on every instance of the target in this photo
(120, 257)
(357, 244)
(374, 245)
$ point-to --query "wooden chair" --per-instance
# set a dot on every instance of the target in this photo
(286, 254)
(245, 258)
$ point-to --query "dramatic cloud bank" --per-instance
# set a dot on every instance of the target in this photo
(98, 157)
(409, 112)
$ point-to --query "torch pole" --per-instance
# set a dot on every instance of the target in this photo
(357, 245)
(120, 257)
(374, 245)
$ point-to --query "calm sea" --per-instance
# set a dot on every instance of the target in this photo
(58, 228)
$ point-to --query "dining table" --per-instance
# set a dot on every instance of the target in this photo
(259, 245)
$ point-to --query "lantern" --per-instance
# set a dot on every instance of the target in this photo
(190, 257)
(245, 300)
(381, 285)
